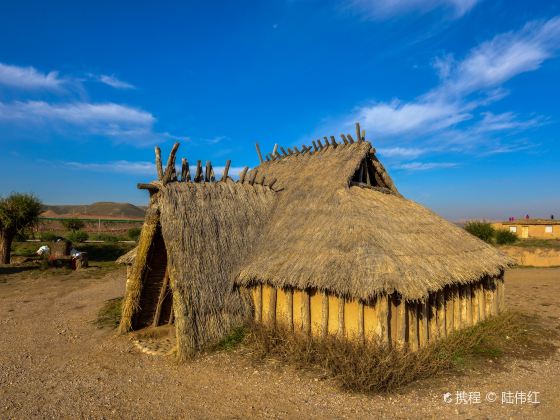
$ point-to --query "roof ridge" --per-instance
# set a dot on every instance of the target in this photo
(206, 176)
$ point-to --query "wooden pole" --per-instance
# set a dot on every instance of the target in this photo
(161, 298)
(290, 308)
(358, 133)
(258, 303)
(361, 333)
(382, 311)
(159, 166)
(457, 325)
(402, 323)
(306, 312)
(185, 172)
(432, 318)
(170, 173)
(259, 152)
(198, 173)
(441, 322)
(243, 174)
(423, 323)
(448, 311)
(275, 150)
(207, 171)
(325, 315)
(344, 139)
(272, 306)
(341, 316)
(226, 170)
(413, 341)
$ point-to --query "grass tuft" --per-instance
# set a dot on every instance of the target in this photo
(375, 367)
(109, 315)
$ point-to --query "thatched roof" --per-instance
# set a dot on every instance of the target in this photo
(128, 258)
(209, 229)
(356, 241)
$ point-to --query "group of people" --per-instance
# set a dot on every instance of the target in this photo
(512, 219)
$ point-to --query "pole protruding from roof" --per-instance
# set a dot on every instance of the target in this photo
(207, 171)
(198, 174)
(333, 141)
(185, 171)
(259, 152)
(350, 139)
(226, 170)
(359, 133)
(170, 173)
(284, 151)
(275, 149)
(345, 140)
(243, 174)
(159, 166)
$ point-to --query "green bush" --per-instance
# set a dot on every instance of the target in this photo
(48, 236)
(134, 233)
(73, 224)
(106, 237)
(482, 230)
(504, 237)
(78, 236)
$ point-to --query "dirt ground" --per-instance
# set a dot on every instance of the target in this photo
(55, 362)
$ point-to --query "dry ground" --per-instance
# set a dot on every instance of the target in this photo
(54, 362)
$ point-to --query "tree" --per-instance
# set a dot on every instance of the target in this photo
(17, 212)
(482, 230)
(73, 224)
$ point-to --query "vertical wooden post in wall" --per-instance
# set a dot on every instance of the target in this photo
(290, 308)
(488, 298)
(341, 316)
(468, 303)
(456, 309)
(382, 331)
(495, 295)
(423, 324)
(475, 305)
(306, 311)
(361, 334)
(413, 342)
(258, 302)
(432, 320)
(272, 306)
(440, 310)
(462, 297)
(161, 298)
(393, 319)
(502, 295)
(402, 322)
(449, 311)
(325, 315)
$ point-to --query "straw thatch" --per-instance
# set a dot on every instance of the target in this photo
(208, 230)
(128, 258)
(358, 242)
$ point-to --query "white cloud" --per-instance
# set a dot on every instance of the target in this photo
(425, 166)
(401, 152)
(385, 9)
(141, 168)
(114, 82)
(120, 122)
(467, 86)
(505, 56)
(29, 78)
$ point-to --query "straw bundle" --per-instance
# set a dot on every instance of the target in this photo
(208, 229)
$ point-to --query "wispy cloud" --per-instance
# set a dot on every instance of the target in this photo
(454, 112)
(29, 78)
(141, 168)
(386, 9)
(402, 152)
(425, 166)
(113, 81)
(120, 122)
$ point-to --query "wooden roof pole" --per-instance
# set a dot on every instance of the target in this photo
(259, 152)
(358, 132)
(159, 166)
(185, 171)
(170, 173)
(226, 170)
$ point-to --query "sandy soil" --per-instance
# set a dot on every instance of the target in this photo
(54, 362)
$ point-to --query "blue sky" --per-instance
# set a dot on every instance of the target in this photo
(460, 98)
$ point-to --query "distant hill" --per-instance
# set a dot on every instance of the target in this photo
(103, 209)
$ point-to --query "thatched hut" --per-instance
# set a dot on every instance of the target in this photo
(319, 240)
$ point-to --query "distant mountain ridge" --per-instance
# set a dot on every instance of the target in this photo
(100, 209)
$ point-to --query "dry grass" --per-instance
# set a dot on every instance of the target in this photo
(374, 367)
(109, 316)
